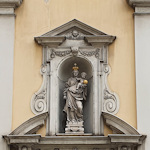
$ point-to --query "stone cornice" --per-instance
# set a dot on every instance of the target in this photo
(142, 7)
(139, 3)
(111, 141)
(7, 7)
(10, 3)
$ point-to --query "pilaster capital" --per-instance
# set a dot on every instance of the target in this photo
(142, 7)
(7, 7)
(139, 3)
(10, 3)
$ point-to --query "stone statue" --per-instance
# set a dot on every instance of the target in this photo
(74, 93)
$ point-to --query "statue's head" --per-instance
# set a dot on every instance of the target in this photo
(75, 33)
(83, 75)
(75, 73)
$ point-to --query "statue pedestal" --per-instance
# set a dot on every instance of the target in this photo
(74, 127)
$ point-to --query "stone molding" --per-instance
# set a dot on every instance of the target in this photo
(28, 139)
(121, 141)
(10, 3)
(49, 41)
(100, 40)
(112, 142)
(7, 7)
(31, 126)
(139, 3)
(56, 36)
(118, 126)
(88, 30)
(142, 7)
(121, 138)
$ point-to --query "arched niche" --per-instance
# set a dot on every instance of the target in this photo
(64, 73)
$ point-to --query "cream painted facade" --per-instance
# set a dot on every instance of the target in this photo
(36, 17)
(115, 19)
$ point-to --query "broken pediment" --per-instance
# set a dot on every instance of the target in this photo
(25, 137)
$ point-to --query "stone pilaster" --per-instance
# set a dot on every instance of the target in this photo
(142, 61)
(7, 26)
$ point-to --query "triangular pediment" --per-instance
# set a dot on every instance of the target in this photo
(74, 30)
(73, 25)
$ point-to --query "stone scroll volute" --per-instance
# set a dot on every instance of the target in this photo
(111, 100)
(39, 99)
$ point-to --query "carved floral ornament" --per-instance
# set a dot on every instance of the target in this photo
(74, 51)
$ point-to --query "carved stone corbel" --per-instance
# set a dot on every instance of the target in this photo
(111, 100)
(39, 99)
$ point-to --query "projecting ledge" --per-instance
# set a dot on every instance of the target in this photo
(22, 139)
(142, 7)
(7, 7)
(139, 3)
(121, 138)
(74, 140)
(10, 3)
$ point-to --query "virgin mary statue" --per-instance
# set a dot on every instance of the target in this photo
(74, 93)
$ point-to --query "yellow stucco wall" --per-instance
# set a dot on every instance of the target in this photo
(36, 17)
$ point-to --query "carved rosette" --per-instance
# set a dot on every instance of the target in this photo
(111, 101)
(39, 99)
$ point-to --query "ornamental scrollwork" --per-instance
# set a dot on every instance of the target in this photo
(95, 53)
(111, 101)
(59, 53)
(39, 99)
(74, 51)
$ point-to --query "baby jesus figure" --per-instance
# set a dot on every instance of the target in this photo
(82, 81)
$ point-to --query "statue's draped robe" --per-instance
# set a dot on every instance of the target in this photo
(72, 96)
